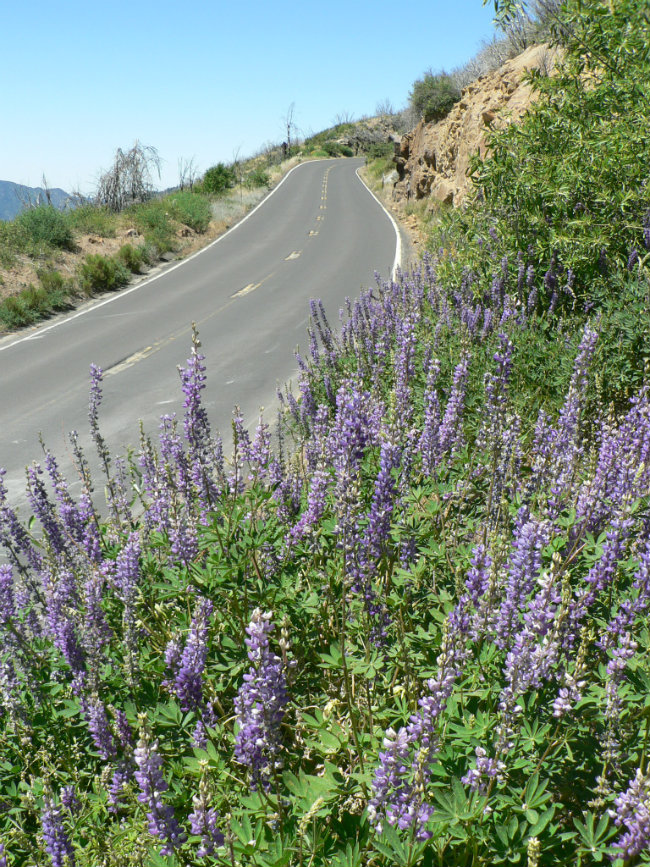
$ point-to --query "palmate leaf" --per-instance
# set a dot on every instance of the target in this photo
(595, 836)
(455, 806)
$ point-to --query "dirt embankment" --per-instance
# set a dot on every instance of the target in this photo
(433, 159)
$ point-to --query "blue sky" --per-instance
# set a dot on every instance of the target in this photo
(205, 81)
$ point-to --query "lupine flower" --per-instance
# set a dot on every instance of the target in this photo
(486, 769)
(100, 730)
(188, 665)
(203, 819)
(450, 435)
(7, 601)
(260, 704)
(55, 836)
(399, 787)
(70, 799)
(162, 822)
(632, 813)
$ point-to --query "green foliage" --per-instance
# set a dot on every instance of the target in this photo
(46, 225)
(258, 178)
(92, 220)
(380, 150)
(101, 273)
(190, 208)
(569, 183)
(36, 302)
(218, 179)
(433, 95)
(152, 219)
(132, 258)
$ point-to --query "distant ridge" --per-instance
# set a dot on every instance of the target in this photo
(14, 198)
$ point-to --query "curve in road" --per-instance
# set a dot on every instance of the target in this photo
(319, 234)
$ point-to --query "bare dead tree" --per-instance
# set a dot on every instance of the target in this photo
(46, 190)
(187, 173)
(385, 108)
(130, 179)
(343, 117)
(289, 123)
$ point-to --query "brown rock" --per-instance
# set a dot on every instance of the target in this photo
(434, 159)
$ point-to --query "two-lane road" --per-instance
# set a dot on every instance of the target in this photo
(320, 234)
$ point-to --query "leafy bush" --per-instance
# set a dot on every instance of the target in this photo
(101, 273)
(190, 208)
(153, 221)
(568, 185)
(218, 179)
(92, 220)
(35, 302)
(132, 257)
(258, 178)
(331, 148)
(433, 95)
(380, 150)
(46, 225)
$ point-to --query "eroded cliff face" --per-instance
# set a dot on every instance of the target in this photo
(433, 159)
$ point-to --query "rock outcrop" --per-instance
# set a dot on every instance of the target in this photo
(433, 159)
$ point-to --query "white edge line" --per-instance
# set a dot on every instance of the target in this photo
(397, 262)
(40, 331)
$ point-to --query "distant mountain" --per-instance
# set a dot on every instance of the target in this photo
(14, 198)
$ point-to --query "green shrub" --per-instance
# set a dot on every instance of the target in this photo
(92, 220)
(379, 150)
(346, 151)
(35, 302)
(190, 208)
(258, 178)
(56, 286)
(100, 273)
(131, 257)
(568, 185)
(46, 225)
(218, 179)
(433, 95)
(332, 148)
(153, 221)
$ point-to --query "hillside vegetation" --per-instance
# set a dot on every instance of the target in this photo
(413, 631)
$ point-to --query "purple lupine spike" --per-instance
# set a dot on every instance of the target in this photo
(44, 511)
(123, 732)
(99, 727)
(3, 856)
(524, 564)
(162, 822)
(429, 438)
(383, 499)
(62, 599)
(7, 599)
(632, 813)
(203, 820)
(13, 536)
(486, 769)
(190, 663)
(204, 453)
(70, 799)
(496, 396)
(630, 608)
(399, 785)
(55, 836)
(260, 704)
(567, 447)
(117, 786)
(450, 435)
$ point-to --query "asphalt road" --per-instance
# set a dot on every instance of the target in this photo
(320, 234)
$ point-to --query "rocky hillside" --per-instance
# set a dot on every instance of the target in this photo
(433, 159)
